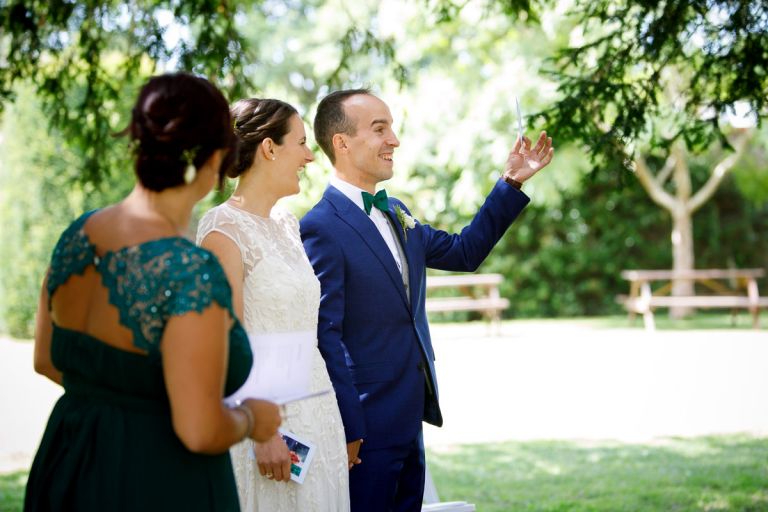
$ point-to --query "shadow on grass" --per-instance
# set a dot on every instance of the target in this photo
(12, 491)
(728, 473)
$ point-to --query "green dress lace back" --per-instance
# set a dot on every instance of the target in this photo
(109, 443)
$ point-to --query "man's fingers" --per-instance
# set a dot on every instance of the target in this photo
(548, 157)
(541, 142)
(547, 146)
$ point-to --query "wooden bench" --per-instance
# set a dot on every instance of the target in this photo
(732, 289)
(479, 292)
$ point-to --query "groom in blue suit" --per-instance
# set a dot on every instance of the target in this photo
(371, 256)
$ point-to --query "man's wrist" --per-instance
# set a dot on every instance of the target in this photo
(512, 182)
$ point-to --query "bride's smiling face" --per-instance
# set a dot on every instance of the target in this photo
(290, 157)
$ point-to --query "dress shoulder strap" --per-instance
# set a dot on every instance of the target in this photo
(71, 255)
(154, 281)
(236, 225)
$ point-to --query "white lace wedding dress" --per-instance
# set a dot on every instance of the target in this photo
(282, 294)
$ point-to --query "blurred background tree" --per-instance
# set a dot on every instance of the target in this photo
(449, 69)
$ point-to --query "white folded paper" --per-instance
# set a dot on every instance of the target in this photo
(282, 367)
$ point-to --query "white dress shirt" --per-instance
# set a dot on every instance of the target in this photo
(378, 218)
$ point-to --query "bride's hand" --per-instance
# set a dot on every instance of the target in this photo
(274, 459)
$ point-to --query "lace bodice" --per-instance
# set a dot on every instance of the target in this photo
(147, 283)
(280, 292)
(110, 442)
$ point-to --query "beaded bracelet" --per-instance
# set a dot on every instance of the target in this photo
(248, 419)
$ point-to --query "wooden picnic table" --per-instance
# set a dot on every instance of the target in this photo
(732, 289)
(479, 292)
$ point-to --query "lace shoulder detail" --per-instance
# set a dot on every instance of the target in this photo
(72, 254)
(286, 218)
(153, 281)
(236, 225)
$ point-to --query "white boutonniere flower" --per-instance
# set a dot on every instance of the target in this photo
(406, 221)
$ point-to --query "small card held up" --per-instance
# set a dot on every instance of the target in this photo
(302, 453)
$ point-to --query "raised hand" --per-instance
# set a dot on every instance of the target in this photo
(524, 161)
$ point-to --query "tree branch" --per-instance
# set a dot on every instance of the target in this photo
(663, 175)
(652, 185)
(718, 173)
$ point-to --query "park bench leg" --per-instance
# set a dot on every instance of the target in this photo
(496, 323)
(648, 320)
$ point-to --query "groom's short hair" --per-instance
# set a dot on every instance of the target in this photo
(331, 119)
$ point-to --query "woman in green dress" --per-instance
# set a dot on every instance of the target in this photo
(136, 323)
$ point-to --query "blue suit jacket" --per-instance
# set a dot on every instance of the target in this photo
(375, 340)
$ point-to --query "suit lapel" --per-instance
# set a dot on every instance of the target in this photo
(354, 217)
(399, 231)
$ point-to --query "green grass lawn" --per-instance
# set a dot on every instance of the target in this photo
(702, 319)
(723, 473)
(12, 491)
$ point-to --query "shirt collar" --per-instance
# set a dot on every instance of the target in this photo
(352, 192)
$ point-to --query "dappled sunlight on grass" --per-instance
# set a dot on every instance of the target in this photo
(709, 473)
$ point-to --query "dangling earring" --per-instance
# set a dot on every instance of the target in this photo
(188, 155)
(189, 174)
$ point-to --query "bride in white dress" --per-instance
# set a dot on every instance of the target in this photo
(274, 289)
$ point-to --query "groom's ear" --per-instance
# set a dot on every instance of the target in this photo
(339, 143)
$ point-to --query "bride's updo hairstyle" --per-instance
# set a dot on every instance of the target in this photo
(255, 120)
(179, 119)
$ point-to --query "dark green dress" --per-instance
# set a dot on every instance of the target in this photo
(109, 443)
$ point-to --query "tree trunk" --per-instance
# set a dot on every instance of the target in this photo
(682, 257)
(682, 230)
(684, 203)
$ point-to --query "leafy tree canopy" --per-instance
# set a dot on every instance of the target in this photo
(81, 55)
(630, 74)
(652, 72)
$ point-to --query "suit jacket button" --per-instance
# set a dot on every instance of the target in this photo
(420, 366)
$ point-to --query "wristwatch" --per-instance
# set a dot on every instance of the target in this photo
(512, 181)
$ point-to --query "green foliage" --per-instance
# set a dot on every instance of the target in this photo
(627, 58)
(709, 473)
(751, 172)
(565, 259)
(449, 69)
(12, 491)
(80, 56)
(39, 197)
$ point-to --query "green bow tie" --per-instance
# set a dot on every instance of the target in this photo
(379, 201)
